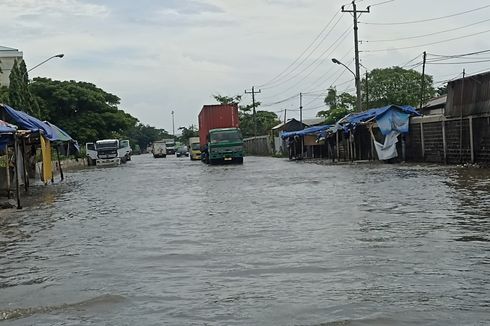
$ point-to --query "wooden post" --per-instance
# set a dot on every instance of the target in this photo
(422, 139)
(444, 141)
(17, 172)
(472, 145)
(404, 148)
(26, 173)
(338, 148)
(59, 162)
(7, 170)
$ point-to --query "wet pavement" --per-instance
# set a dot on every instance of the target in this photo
(271, 242)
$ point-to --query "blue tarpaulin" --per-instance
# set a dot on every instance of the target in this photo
(6, 128)
(315, 130)
(390, 117)
(28, 122)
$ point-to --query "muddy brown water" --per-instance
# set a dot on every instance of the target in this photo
(272, 242)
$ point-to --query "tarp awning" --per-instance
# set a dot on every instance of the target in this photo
(25, 121)
(315, 130)
(59, 133)
(390, 117)
(7, 128)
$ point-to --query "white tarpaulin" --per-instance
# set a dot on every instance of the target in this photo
(388, 149)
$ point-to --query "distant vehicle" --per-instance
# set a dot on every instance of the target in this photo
(125, 151)
(194, 148)
(159, 149)
(220, 138)
(182, 151)
(170, 144)
(107, 152)
(91, 153)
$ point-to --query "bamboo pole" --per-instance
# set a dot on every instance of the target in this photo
(59, 162)
(7, 170)
(26, 174)
(17, 172)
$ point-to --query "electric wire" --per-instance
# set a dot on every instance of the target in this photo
(426, 35)
(427, 20)
(306, 49)
(427, 44)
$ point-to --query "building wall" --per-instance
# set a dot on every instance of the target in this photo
(442, 140)
(260, 145)
(7, 58)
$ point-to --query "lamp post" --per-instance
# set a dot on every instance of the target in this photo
(358, 84)
(61, 55)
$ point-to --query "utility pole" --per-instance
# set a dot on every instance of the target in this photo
(173, 124)
(253, 92)
(354, 11)
(461, 120)
(367, 91)
(301, 109)
(422, 82)
(285, 111)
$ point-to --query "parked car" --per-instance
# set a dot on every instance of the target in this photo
(182, 151)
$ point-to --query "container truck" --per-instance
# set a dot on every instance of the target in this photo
(107, 152)
(219, 134)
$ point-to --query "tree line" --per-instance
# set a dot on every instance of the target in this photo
(82, 109)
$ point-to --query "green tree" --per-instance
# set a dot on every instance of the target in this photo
(221, 99)
(441, 90)
(85, 111)
(187, 133)
(397, 86)
(339, 105)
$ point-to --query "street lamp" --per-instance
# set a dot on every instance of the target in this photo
(358, 86)
(61, 55)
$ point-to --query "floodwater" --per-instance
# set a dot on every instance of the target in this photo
(272, 242)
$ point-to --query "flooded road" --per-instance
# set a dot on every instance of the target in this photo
(272, 242)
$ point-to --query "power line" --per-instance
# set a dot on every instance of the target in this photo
(427, 44)
(304, 51)
(279, 83)
(339, 41)
(380, 3)
(459, 55)
(457, 63)
(425, 35)
(428, 20)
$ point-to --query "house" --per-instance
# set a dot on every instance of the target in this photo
(7, 59)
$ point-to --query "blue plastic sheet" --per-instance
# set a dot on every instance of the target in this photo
(28, 122)
(393, 120)
(315, 130)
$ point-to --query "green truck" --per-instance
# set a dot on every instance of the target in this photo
(221, 139)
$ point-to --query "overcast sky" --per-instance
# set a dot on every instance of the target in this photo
(165, 55)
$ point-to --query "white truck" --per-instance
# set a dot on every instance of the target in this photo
(170, 145)
(91, 153)
(159, 149)
(107, 152)
(125, 151)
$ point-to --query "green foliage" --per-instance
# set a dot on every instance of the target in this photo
(265, 121)
(397, 86)
(338, 105)
(188, 133)
(19, 96)
(227, 99)
(441, 90)
(143, 135)
(4, 94)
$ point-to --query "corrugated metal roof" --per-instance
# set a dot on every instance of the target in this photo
(436, 101)
(4, 48)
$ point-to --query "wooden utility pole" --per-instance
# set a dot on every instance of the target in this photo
(367, 91)
(422, 82)
(253, 92)
(355, 13)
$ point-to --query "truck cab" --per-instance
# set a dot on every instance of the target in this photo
(170, 145)
(91, 153)
(194, 148)
(107, 152)
(225, 145)
(124, 151)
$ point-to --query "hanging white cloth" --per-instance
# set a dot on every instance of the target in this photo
(387, 150)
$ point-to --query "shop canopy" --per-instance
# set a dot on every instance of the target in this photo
(25, 121)
(315, 130)
(62, 135)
